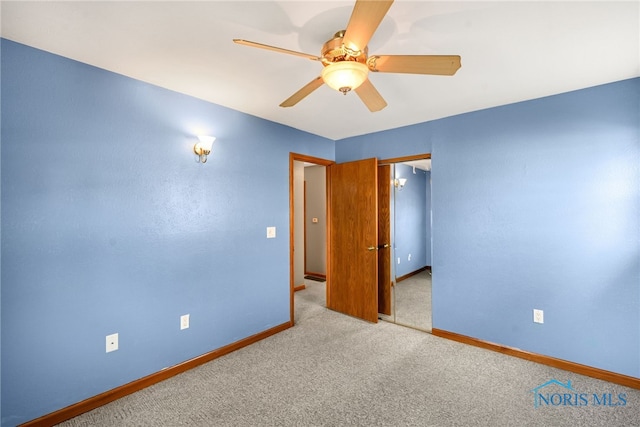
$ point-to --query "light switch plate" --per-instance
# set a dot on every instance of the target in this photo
(271, 232)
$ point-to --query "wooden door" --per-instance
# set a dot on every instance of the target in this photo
(384, 239)
(352, 282)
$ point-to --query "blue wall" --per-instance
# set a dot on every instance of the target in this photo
(536, 205)
(411, 221)
(388, 144)
(109, 225)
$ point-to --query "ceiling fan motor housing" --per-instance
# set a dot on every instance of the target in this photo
(334, 50)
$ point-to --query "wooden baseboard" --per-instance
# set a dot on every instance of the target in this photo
(299, 288)
(413, 273)
(311, 273)
(577, 368)
(137, 385)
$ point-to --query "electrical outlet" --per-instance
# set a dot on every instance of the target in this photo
(538, 316)
(409, 257)
(398, 260)
(112, 342)
(184, 321)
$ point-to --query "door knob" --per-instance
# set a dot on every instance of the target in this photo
(372, 248)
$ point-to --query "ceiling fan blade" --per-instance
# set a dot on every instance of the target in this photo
(365, 19)
(443, 65)
(276, 49)
(306, 90)
(370, 96)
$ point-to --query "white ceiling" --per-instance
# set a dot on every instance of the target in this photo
(511, 51)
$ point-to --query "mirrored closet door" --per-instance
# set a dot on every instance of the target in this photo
(410, 218)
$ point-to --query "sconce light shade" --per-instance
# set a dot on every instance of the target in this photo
(345, 75)
(203, 148)
(399, 183)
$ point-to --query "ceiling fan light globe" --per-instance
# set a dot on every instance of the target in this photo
(345, 75)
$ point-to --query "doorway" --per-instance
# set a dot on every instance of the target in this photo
(353, 256)
(307, 225)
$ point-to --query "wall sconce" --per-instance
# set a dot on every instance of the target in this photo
(203, 148)
(399, 183)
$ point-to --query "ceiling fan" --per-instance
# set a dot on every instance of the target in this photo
(346, 63)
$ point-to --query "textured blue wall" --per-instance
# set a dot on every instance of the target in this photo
(411, 235)
(536, 205)
(388, 144)
(109, 225)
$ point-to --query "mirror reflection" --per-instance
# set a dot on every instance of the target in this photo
(411, 244)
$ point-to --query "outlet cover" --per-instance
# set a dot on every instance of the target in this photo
(112, 343)
(538, 316)
(184, 321)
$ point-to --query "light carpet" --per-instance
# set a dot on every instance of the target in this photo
(412, 299)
